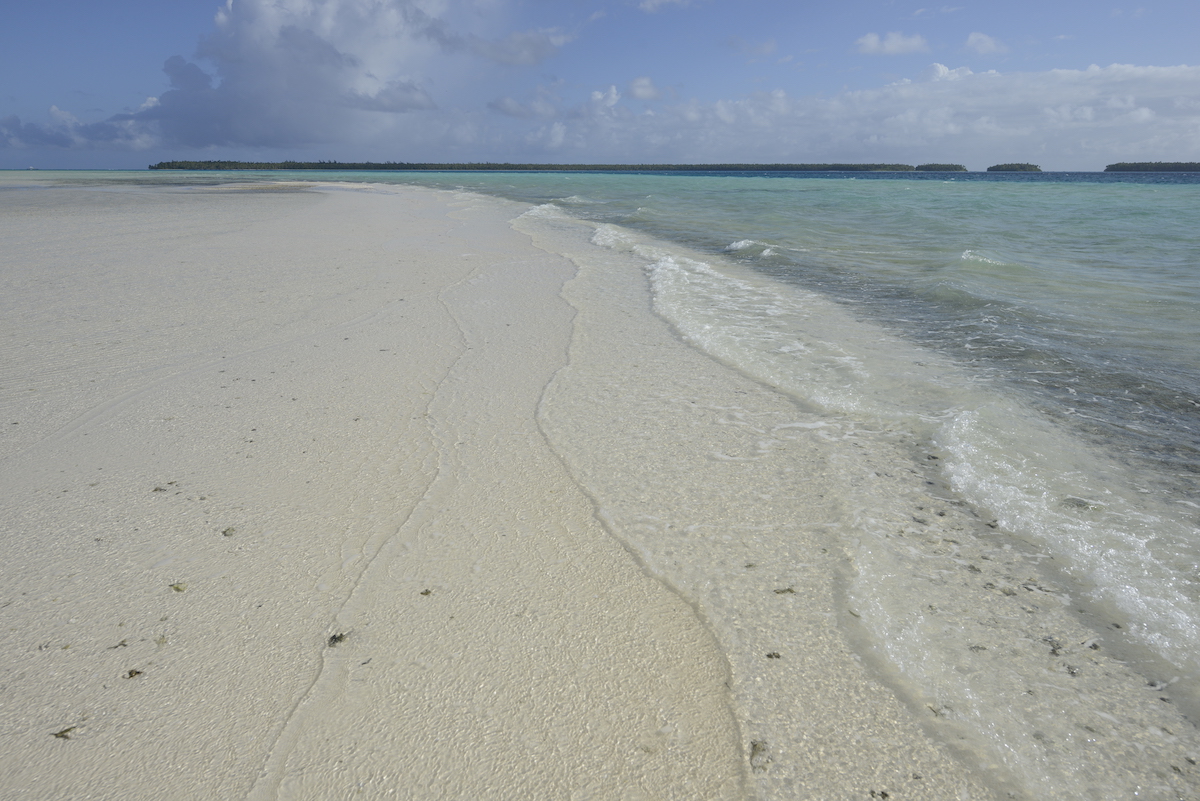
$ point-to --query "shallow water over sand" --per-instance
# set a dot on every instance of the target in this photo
(833, 482)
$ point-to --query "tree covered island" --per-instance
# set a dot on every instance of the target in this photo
(1014, 168)
(491, 167)
(1154, 166)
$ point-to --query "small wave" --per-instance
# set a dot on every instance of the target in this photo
(545, 211)
(609, 236)
(742, 245)
(974, 255)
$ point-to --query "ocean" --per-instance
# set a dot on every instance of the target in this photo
(1001, 375)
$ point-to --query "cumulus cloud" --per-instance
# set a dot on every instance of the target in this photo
(555, 136)
(984, 45)
(68, 132)
(894, 44)
(644, 89)
(17, 134)
(606, 99)
(302, 72)
(940, 72)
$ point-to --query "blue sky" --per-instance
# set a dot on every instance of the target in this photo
(1067, 85)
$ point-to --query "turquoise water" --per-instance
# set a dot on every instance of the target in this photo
(1029, 344)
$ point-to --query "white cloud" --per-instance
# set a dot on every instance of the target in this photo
(1063, 119)
(894, 44)
(68, 132)
(984, 45)
(940, 72)
(644, 89)
(64, 118)
(608, 98)
(292, 73)
(548, 138)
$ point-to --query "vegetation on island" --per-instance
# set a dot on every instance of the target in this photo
(941, 168)
(481, 167)
(1154, 166)
(1014, 168)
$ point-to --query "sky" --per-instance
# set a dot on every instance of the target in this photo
(1067, 85)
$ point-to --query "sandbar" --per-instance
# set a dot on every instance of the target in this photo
(287, 513)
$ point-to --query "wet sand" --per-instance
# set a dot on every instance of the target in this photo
(281, 519)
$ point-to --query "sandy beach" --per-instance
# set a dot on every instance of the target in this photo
(318, 492)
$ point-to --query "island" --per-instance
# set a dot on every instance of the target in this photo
(1153, 166)
(941, 168)
(1014, 168)
(490, 167)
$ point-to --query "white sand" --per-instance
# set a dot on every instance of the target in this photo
(238, 424)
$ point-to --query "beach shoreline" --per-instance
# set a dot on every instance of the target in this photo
(230, 552)
(306, 496)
